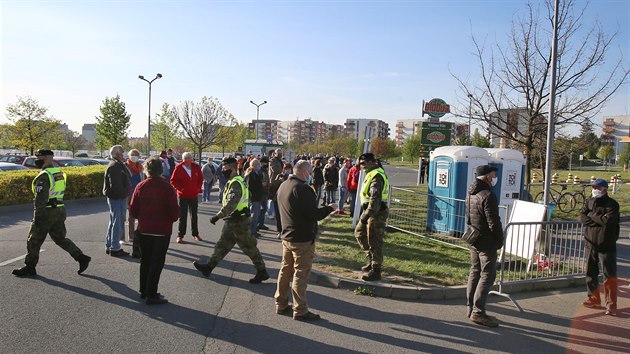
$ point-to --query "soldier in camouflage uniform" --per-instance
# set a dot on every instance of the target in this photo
(370, 229)
(49, 216)
(235, 212)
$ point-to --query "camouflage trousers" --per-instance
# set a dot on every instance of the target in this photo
(237, 232)
(48, 221)
(370, 237)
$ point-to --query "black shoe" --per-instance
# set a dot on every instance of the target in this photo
(156, 300)
(136, 255)
(107, 251)
(144, 296)
(309, 316)
(373, 275)
(118, 253)
(484, 320)
(260, 277)
(257, 235)
(366, 268)
(84, 261)
(205, 269)
(24, 271)
(263, 227)
(284, 311)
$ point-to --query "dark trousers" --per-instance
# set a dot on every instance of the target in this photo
(275, 207)
(608, 259)
(153, 250)
(263, 210)
(483, 272)
(186, 205)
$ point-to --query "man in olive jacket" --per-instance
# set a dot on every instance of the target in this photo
(483, 214)
(600, 216)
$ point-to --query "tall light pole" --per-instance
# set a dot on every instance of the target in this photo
(470, 97)
(158, 76)
(257, 113)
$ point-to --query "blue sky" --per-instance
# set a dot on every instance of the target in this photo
(327, 60)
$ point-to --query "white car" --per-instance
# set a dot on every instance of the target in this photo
(8, 166)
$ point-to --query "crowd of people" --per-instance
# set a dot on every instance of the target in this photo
(298, 194)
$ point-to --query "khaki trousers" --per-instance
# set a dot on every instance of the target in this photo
(297, 260)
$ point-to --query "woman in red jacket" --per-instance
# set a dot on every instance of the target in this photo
(353, 184)
(187, 179)
(154, 205)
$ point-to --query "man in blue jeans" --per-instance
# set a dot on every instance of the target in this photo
(116, 187)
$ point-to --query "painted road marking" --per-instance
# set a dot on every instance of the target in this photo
(15, 259)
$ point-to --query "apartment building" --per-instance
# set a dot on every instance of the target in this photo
(355, 128)
(616, 132)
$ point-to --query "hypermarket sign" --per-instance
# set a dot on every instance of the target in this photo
(435, 108)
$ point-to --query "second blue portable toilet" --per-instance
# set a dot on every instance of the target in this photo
(451, 171)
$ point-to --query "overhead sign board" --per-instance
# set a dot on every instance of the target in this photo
(434, 135)
(436, 108)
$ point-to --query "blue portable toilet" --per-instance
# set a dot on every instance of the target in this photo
(511, 170)
(451, 171)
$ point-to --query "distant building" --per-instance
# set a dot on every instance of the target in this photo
(616, 132)
(510, 122)
(89, 132)
(355, 128)
(301, 131)
(405, 129)
(264, 128)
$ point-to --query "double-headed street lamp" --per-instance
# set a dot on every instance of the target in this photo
(158, 76)
(257, 112)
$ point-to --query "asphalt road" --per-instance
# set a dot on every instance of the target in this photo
(61, 312)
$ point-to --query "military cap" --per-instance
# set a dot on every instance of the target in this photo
(368, 156)
(228, 161)
(44, 152)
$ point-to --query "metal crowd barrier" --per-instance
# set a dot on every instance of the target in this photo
(540, 250)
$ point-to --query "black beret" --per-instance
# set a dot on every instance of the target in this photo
(44, 152)
(228, 161)
(368, 156)
(485, 169)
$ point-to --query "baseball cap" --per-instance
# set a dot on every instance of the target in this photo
(600, 182)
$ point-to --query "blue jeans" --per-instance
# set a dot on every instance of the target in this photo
(117, 211)
(342, 196)
(254, 209)
(207, 187)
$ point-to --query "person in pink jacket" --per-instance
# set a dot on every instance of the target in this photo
(187, 180)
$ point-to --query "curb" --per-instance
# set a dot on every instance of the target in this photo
(409, 292)
(24, 207)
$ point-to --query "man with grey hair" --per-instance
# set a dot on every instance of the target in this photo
(187, 179)
(116, 187)
(297, 206)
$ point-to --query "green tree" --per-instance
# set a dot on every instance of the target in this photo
(164, 129)
(480, 140)
(605, 153)
(113, 123)
(5, 130)
(411, 148)
(624, 157)
(73, 141)
(32, 128)
(588, 142)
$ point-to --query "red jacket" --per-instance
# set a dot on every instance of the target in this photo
(353, 178)
(187, 186)
(154, 204)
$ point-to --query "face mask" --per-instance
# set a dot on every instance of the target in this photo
(596, 193)
(39, 163)
(309, 179)
(227, 173)
(494, 181)
(134, 158)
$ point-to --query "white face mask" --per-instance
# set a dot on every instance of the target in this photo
(596, 193)
(494, 181)
(134, 158)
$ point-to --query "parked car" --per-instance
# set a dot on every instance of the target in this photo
(89, 162)
(17, 159)
(9, 166)
(82, 155)
(57, 162)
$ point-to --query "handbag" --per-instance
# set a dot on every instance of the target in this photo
(472, 234)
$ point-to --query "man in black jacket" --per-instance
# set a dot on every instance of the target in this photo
(298, 208)
(483, 214)
(116, 188)
(253, 179)
(600, 216)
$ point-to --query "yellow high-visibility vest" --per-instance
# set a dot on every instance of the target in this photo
(244, 202)
(57, 180)
(367, 181)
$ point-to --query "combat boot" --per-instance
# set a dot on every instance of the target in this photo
(84, 261)
(24, 271)
(205, 269)
(261, 275)
(373, 275)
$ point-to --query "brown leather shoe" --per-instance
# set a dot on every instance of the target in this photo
(309, 316)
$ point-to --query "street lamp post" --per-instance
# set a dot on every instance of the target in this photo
(158, 76)
(470, 97)
(257, 113)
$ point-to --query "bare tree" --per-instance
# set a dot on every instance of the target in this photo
(200, 122)
(512, 96)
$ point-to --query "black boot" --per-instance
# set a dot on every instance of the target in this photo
(205, 269)
(373, 275)
(261, 275)
(84, 261)
(24, 271)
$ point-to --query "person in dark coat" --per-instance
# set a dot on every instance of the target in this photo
(253, 180)
(318, 178)
(483, 214)
(331, 181)
(600, 216)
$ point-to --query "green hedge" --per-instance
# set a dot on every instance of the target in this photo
(83, 182)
